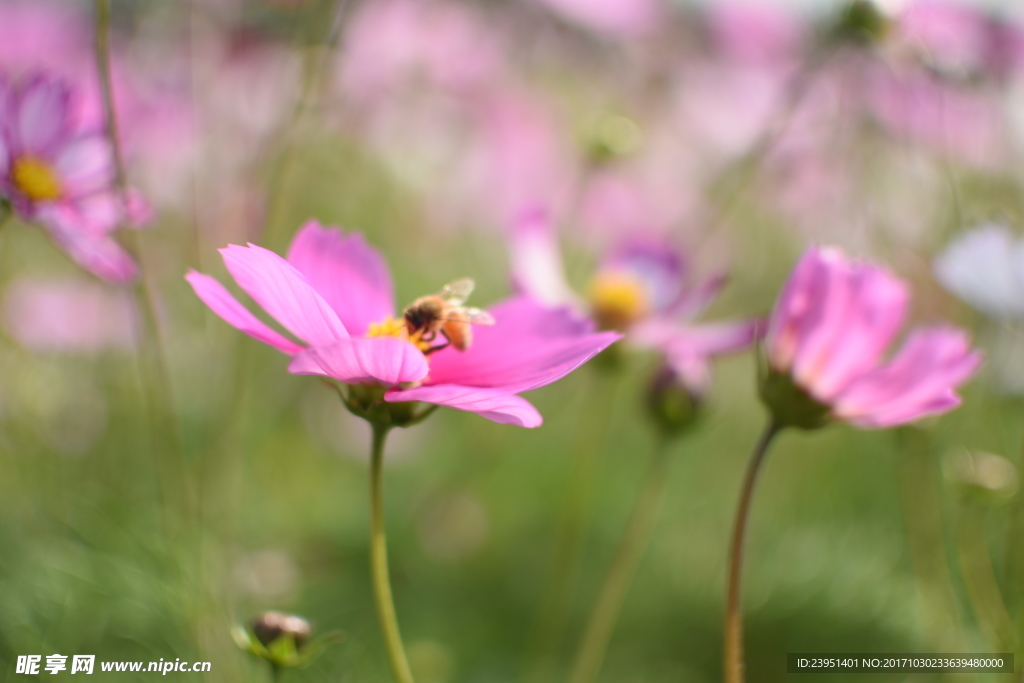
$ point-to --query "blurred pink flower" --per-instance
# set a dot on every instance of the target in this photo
(960, 39)
(830, 326)
(758, 34)
(334, 292)
(391, 44)
(967, 124)
(613, 18)
(150, 82)
(58, 174)
(68, 315)
(641, 288)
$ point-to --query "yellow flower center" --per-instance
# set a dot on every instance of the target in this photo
(35, 179)
(391, 327)
(617, 299)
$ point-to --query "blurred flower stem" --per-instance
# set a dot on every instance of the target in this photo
(733, 641)
(980, 578)
(547, 632)
(379, 562)
(617, 581)
(926, 541)
(315, 69)
(156, 385)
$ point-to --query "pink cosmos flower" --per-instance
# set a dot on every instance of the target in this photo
(334, 293)
(830, 326)
(68, 315)
(613, 18)
(640, 288)
(59, 174)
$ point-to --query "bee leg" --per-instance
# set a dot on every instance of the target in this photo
(435, 349)
(429, 336)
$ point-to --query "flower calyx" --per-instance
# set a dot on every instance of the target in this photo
(367, 401)
(789, 404)
(284, 640)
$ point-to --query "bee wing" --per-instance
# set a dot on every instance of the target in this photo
(476, 316)
(457, 292)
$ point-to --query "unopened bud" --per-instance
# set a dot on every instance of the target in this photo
(672, 402)
(282, 639)
(983, 477)
(270, 626)
(863, 22)
(610, 136)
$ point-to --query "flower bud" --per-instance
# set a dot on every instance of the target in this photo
(862, 22)
(790, 405)
(270, 626)
(672, 402)
(985, 478)
(282, 639)
(610, 136)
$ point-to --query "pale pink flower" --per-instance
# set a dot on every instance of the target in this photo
(828, 331)
(393, 44)
(334, 293)
(70, 315)
(59, 174)
(641, 287)
(613, 18)
(758, 34)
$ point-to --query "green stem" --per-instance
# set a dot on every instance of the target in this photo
(151, 355)
(733, 609)
(630, 550)
(574, 515)
(379, 563)
(315, 69)
(980, 579)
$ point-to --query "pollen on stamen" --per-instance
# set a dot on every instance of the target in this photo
(617, 300)
(391, 327)
(35, 179)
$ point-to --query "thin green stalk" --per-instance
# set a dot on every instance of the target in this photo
(379, 563)
(920, 501)
(315, 69)
(734, 666)
(152, 355)
(980, 578)
(549, 625)
(630, 550)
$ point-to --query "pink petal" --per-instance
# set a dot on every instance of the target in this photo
(494, 404)
(528, 347)
(42, 116)
(284, 293)
(862, 330)
(348, 273)
(536, 260)
(695, 301)
(85, 165)
(102, 256)
(918, 381)
(363, 360)
(6, 103)
(714, 339)
(220, 301)
(794, 304)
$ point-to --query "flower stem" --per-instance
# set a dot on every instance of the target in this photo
(574, 517)
(379, 563)
(620, 574)
(980, 578)
(733, 608)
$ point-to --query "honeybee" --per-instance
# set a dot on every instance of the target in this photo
(443, 312)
